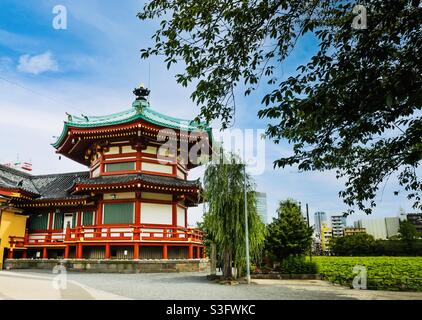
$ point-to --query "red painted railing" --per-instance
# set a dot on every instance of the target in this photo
(17, 242)
(106, 233)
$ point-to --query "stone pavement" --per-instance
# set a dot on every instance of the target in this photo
(21, 286)
(30, 284)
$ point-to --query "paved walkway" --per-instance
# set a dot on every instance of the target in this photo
(29, 284)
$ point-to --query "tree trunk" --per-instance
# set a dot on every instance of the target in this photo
(227, 261)
(213, 259)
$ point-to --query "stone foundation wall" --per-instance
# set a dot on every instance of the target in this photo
(286, 276)
(110, 266)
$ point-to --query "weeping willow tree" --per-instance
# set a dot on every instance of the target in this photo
(225, 219)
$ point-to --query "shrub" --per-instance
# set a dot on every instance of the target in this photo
(384, 273)
(296, 264)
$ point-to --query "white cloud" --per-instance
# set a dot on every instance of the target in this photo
(37, 64)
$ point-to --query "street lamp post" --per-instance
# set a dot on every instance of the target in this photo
(248, 271)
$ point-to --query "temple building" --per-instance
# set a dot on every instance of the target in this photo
(131, 203)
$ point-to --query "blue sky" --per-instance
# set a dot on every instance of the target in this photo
(92, 67)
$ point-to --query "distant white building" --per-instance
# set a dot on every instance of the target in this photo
(261, 206)
(392, 225)
(381, 228)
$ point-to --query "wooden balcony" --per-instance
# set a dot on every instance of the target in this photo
(109, 233)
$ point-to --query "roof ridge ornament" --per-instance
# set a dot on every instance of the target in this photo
(141, 100)
(69, 117)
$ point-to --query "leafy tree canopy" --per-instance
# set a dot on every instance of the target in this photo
(354, 107)
(357, 244)
(288, 234)
(408, 232)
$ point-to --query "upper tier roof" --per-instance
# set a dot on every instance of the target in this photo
(140, 110)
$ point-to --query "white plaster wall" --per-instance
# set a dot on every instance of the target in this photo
(150, 149)
(113, 150)
(180, 216)
(156, 213)
(119, 195)
(157, 196)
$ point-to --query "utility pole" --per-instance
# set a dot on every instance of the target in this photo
(307, 218)
(248, 271)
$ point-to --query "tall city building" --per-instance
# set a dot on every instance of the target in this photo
(261, 206)
(319, 218)
(338, 223)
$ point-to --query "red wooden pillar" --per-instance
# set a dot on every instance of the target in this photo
(79, 221)
(107, 251)
(138, 159)
(137, 211)
(165, 252)
(102, 166)
(79, 251)
(24, 254)
(190, 253)
(66, 252)
(100, 213)
(10, 254)
(198, 252)
(174, 213)
(136, 251)
(44, 253)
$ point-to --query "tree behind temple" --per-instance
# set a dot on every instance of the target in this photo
(288, 233)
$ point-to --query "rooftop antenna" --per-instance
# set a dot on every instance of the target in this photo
(149, 78)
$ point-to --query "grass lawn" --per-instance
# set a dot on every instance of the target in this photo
(386, 273)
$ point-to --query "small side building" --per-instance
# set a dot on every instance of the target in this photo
(12, 226)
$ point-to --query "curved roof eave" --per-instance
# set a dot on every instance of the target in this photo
(127, 116)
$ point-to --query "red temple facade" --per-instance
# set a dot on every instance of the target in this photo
(131, 203)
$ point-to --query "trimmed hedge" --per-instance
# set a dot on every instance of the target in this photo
(298, 265)
(383, 273)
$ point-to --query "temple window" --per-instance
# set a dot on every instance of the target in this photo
(120, 166)
(157, 167)
(87, 218)
(38, 221)
(58, 221)
(118, 213)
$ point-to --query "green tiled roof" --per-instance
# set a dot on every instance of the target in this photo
(140, 110)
